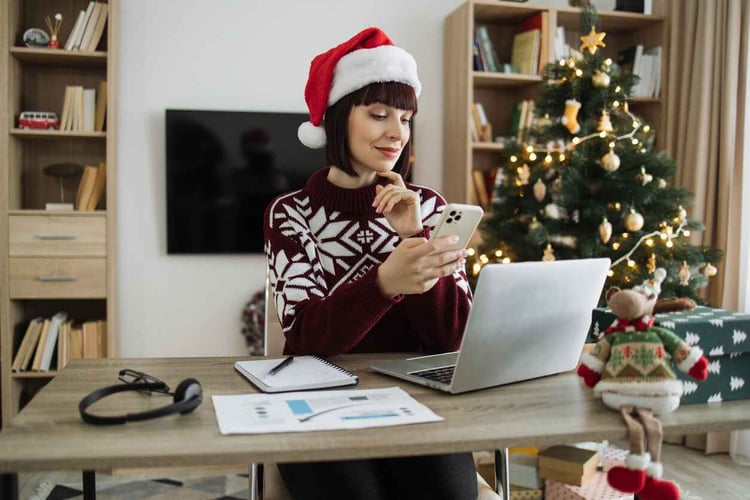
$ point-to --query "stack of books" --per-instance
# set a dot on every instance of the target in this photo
(89, 27)
(92, 187)
(84, 110)
(568, 464)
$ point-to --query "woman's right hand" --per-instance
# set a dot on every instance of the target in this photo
(417, 264)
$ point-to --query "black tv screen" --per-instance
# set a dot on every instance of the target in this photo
(223, 168)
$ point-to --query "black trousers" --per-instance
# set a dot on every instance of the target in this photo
(433, 477)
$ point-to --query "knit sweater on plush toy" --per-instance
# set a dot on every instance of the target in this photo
(324, 245)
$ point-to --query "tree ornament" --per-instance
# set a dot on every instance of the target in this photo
(661, 183)
(605, 231)
(534, 225)
(681, 213)
(549, 254)
(593, 40)
(553, 211)
(610, 161)
(605, 124)
(684, 274)
(633, 221)
(651, 264)
(600, 79)
(524, 172)
(709, 270)
(540, 190)
(570, 117)
(644, 177)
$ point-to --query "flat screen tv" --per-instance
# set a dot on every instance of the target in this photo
(223, 168)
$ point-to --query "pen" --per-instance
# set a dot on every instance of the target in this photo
(280, 366)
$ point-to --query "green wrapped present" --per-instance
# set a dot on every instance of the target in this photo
(723, 336)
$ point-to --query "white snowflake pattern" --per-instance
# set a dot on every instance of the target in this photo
(689, 387)
(717, 351)
(717, 322)
(715, 398)
(738, 336)
(692, 338)
(736, 383)
(714, 367)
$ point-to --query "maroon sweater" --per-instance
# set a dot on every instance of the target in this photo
(324, 245)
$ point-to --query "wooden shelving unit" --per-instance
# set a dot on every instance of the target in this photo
(85, 248)
(499, 92)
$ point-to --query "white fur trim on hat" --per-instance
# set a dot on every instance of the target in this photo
(655, 469)
(638, 462)
(693, 356)
(386, 63)
(311, 136)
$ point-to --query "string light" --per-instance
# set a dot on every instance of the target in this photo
(513, 158)
(498, 253)
(650, 242)
(532, 157)
(483, 259)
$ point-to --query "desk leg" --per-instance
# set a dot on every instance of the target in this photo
(256, 481)
(9, 486)
(502, 473)
(88, 478)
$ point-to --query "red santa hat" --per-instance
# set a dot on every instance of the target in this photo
(368, 57)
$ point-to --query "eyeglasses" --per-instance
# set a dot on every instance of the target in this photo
(128, 376)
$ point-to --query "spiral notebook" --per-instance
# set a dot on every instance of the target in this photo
(303, 373)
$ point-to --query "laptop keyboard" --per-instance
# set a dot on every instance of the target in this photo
(443, 374)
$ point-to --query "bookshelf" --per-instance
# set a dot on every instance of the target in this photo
(499, 92)
(52, 261)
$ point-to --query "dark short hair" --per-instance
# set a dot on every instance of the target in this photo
(397, 95)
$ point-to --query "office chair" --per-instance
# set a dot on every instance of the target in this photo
(265, 480)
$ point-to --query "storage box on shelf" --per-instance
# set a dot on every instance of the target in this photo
(500, 92)
(52, 261)
(723, 337)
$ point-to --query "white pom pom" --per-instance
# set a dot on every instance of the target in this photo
(311, 136)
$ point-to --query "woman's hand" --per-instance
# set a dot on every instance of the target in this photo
(417, 264)
(399, 205)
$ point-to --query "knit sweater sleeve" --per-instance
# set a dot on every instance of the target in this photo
(438, 316)
(314, 319)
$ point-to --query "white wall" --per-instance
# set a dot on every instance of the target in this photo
(230, 55)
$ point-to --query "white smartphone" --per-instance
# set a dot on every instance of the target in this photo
(459, 219)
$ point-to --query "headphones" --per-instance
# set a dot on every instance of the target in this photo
(186, 398)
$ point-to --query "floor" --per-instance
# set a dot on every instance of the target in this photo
(700, 477)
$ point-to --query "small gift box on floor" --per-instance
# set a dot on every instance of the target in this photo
(723, 337)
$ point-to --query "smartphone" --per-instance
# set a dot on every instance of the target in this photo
(459, 219)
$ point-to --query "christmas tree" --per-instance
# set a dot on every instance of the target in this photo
(586, 182)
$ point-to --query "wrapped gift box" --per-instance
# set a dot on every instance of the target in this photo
(723, 336)
(595, 489)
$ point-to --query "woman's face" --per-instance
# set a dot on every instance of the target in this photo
(377, 135)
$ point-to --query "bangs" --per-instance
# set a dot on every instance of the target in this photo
(397, 95)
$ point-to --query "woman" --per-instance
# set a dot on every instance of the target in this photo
(350, 259)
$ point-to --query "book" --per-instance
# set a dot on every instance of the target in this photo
(539, 21)
(51, 343)
(525, 52)
(70, 43)
(91, 342)
(89, 109)
(86, 186)
(569, 459)
(101, 106)
(33, 344)
(90, 26)
(487, 47)
(100, 184)
(28, 342)
(303, 373)
(481, 188)
(98, 30)
(37, 362)
(84, 24)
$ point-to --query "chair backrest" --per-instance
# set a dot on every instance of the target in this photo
(273, 341)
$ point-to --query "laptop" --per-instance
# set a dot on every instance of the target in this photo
(527, 320)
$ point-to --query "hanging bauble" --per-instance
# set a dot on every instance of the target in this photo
(600, 79)
(605, 124)
(549, 254)
(681, 213)
(605, 231)
(709, 270)
(553, 211)
(661, 183)
(633, 221)
(651, 264)
(610, 161)
(524, 172)
(540, 190)
(684, 274)
(534, 225)
(592, 40)
(645, 177)
(570, 117)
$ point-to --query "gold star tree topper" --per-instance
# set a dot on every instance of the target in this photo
(593, 40)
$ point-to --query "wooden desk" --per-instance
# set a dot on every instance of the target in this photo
(49, 434)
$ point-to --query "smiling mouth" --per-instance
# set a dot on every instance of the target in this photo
(389, 152)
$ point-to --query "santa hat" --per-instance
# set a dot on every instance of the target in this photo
(368, 57)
